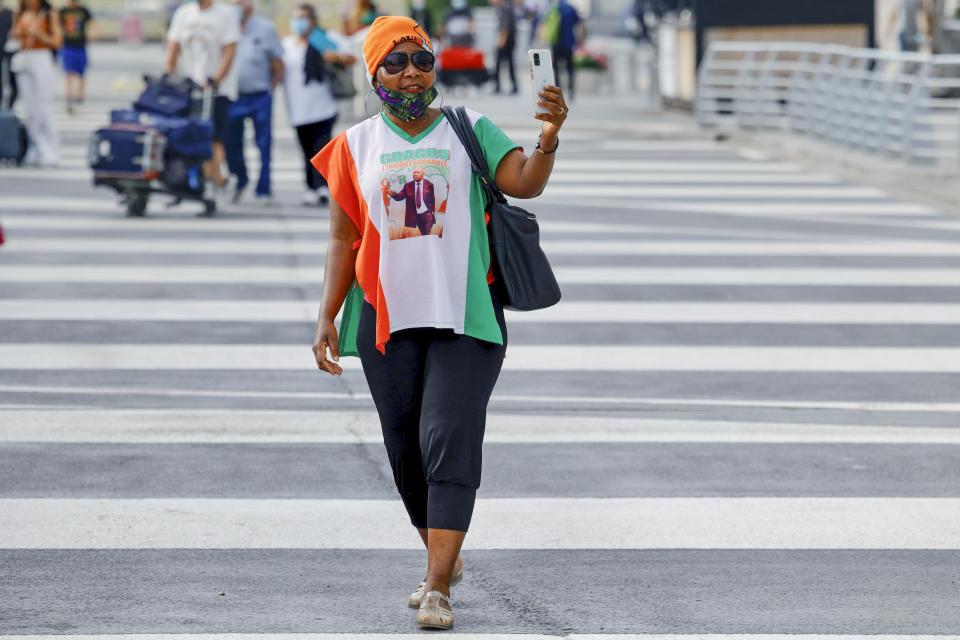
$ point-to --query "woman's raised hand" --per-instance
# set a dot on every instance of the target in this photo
(552, 98)
(326, 338)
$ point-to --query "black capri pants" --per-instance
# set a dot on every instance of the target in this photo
(431, 390)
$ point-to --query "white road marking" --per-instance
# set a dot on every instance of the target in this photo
(113, 222)
(483, 636)
(522, 523)
(499, 398)
(169, 310)
(551, 247)
(262, 426)
(53, 356)
(880, 277)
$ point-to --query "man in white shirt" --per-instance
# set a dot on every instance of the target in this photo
(201, 44)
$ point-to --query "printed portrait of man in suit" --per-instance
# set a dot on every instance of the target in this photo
(420, 202)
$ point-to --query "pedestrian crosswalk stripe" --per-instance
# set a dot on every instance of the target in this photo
(498, 523)
(262, 426)
(784, 277)
(171, 310)
(485, 636)
(552, 247)
(501, 400)
(519, 358)
(291, 174)
(752, 208)
(549, 226)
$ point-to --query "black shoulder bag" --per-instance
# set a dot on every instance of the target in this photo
(524, 279)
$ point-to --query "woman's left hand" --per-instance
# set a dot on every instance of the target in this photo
(552, 98)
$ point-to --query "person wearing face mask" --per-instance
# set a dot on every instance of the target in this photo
(458, 25)
(202, 44)
(311, 106)
(431, 335)
(259, 71)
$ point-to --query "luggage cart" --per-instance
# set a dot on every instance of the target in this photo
(134, 158)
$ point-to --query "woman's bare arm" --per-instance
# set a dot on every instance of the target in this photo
(523, 176)
(339, 273)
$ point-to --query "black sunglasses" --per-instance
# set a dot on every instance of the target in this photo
(396, 62)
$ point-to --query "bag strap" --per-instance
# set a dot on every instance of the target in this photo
(460, 122)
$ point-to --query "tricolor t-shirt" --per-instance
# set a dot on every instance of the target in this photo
(424, 256)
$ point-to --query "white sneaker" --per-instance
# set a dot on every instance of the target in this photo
(310, 198)
(323, 195)
(266, 201)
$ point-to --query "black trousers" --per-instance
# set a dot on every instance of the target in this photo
(313, 137)
(561, 52)
(431, 390)
(505, 56)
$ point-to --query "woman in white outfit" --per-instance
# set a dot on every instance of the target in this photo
(37, 25)
(311, 106)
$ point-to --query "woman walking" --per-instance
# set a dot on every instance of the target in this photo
(431, 334)
(37, 25)
(311, 106)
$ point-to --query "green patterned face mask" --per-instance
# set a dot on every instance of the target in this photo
(406, 105)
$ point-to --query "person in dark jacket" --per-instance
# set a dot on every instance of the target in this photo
(506, 41)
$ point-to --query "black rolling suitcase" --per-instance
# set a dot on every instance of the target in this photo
(13, 135)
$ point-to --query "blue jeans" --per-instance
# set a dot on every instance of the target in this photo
(259, 108)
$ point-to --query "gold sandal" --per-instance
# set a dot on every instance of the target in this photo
(417, 596)
(435, 612)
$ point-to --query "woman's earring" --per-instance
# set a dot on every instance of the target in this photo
(365, 109)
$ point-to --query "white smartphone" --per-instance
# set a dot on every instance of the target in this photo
(541, 74)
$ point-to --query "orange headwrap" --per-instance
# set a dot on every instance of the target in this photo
(385, 33)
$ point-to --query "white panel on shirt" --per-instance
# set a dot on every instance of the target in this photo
(307, 103)
(424, 278)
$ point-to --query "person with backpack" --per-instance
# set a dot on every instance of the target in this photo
(37, 26)
(78, 26)
(563, 30)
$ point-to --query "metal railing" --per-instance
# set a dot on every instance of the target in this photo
(904, 105)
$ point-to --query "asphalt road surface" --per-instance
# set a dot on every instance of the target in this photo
(743, 418)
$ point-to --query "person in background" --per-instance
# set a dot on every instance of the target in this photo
(169, 8)
(533, 10)
(563, 31)
(506, 41)
(78, 27)
(420, 13)
(8, 83)
(311, 107)
(362, 16)
(911, 36)
(458, 25)
(202, 43)
(259, 71)
(37, 25)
